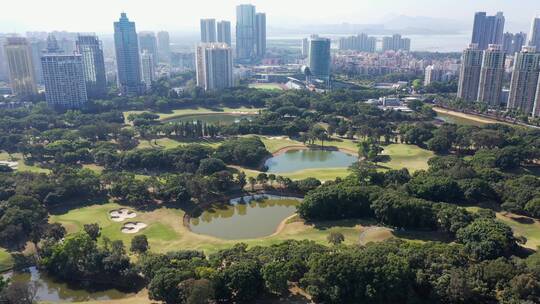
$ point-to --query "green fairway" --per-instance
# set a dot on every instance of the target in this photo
(323, 174)
(5, 260)
(266, 86)
(166, 231)
(523, 226)
(402, 156)
(22, 167)
(197, 110)
(276, 143)
(167, 143)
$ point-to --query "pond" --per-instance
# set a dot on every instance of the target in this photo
(296, 160)
(246, 217)
(219, 118)
(50, 290)
(458, 120)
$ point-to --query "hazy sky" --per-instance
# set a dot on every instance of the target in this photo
(183, 15)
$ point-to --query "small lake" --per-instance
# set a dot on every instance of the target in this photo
(296, 160)
(50, 290)
(223, 119)
(458, 120)
(245, 218)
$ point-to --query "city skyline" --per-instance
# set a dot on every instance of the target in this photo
(162, 15)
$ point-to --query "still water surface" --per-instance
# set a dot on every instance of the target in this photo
(245, 218)
(296, 160)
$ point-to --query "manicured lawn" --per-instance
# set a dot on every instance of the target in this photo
(167, 143)
(411, 157)
(5, 260)
(266, 86)
(323, 174)
(166, 231)
(276, 143)
(22, 166)
(523, 226)
(192, 111)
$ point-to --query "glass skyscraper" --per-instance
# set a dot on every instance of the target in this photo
(164, 47)
(488, 29)
(224, 32)
(89, 47)
(21, 69)
(319, 58)
(127, 56)
(245, 32)
(208, 30)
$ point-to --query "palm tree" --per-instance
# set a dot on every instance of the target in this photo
(252, 181)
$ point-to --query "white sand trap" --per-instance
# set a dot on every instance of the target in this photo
(121, 215)
(133, 227)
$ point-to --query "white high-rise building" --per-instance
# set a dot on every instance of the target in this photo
(214, 65)
(433, 74)
(492, 75)
(63, 75)
(147, 69)
(469, 74)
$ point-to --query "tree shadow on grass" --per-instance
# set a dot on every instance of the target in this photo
(342, 223)
(418, 235)
(77, 203)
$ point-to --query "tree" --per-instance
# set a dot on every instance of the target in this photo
(164, 286)
(139, 244)
(335, 238)
(487, 239)
(262, 178)
(210, 166)
(252, 181)
(93, 230)
(241, 179)
(196, 291)
(240, 281)
(275, 277)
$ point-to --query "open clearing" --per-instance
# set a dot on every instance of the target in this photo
(22, 167)
(267, 86)
(197, 110)
(402, 156)
(5, 260)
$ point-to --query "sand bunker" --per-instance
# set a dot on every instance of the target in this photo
(121, 215)
(133, 227)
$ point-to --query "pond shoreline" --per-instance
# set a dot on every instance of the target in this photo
(226, 202)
